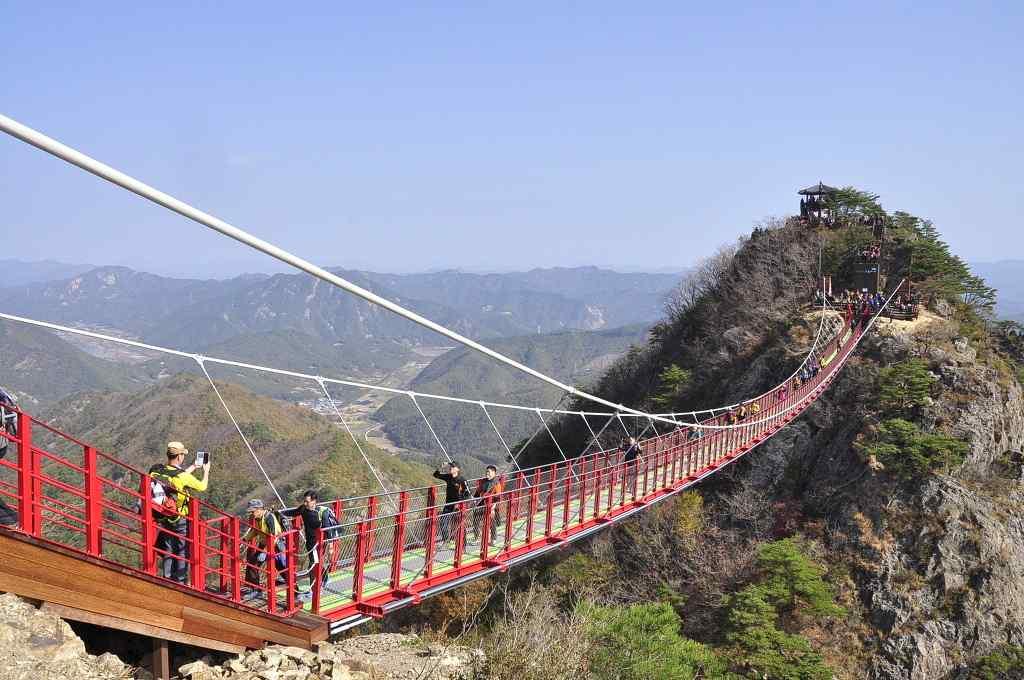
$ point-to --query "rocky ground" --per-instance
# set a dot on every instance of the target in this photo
(36, 645)
(377, 657)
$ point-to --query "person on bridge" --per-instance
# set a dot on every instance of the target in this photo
(314, 517)
(172, 531)
(489, 486)
(264, 525)
(629, 460)
(456, 489)
(8, 426)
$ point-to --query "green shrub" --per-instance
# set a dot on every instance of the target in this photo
(908, 452)
(642, 642)
(792, 579)
(905, 386)
(1006, 662)
(672, 381)
(759, 649)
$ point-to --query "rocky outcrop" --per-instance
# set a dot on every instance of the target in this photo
(35, 645)
(380, 657)
(939, 564)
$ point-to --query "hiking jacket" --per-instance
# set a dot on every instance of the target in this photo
(456, 488)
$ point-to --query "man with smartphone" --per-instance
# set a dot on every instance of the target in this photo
(172, 530)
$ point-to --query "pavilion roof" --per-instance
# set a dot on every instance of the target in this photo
(818, 189)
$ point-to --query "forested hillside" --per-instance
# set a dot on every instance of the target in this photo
(298, 448)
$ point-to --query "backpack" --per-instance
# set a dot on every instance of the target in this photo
(164, 496)
(328, 522)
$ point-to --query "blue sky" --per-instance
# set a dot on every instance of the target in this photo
(406, 137)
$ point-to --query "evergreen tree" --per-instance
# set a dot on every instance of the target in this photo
(642, 642)
(791, 578)
(905, 386)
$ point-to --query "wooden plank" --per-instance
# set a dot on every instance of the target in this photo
(75, 614)
(80, 583)
(142, 586)
(254, 635)
(197, 618)
(50, 593)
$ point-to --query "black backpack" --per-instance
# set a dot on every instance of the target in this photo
(328, 522)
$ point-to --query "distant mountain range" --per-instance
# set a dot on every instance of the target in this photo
(192, 313)
(290, 321)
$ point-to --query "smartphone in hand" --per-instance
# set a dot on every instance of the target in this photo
(202, 458)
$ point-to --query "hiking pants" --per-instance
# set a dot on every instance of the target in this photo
(171, 539)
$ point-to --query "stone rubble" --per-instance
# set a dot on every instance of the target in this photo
(388, 656)
(35, 645)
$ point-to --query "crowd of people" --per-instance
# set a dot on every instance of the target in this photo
(172, 485)
(871, 253)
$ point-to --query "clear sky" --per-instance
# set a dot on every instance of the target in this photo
(406, 137)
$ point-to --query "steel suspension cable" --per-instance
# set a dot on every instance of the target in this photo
(431, 427)
(241, 434)
(355, 439)
(557, 445)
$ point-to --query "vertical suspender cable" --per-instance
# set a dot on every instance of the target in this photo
(437, 439)
(355, 439)
(241, 434)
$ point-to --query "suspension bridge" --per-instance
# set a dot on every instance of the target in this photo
(84, 541)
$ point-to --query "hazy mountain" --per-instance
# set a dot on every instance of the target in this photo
(194, 313)
(17, 273)
(544, 300)
(576, 357)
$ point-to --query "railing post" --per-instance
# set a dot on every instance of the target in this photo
(148, 526)
(360, 563)
(430, 534)
(195, 548)
(513, 510)
(485, 528)
(27, 506)
(566, 499)
(611, 486)
(222, 546)
(336, 554)
(93, 506)
(318, 571)
(647, 470)
(398, 548)
(534, 493)
(235, 537)
(598, 479)
(371, 518)
(582, 490)
(271, 573)
(550, 504)
(290, 564)
(460, 532)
